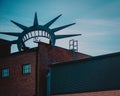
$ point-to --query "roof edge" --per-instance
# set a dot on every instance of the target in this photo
(86, 59)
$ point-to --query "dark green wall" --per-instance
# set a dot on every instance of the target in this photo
(94, 74)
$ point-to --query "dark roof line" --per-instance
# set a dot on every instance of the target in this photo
(86, 59)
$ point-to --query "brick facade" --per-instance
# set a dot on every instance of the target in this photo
(55, 54)
(48, 55)
(18, 84)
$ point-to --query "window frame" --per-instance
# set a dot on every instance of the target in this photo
(26, 70)
(5, 74)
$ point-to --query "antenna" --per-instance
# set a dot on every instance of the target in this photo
(73, 46)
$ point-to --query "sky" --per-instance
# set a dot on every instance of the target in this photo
(97, 20)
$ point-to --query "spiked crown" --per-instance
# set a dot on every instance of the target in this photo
(37, 30)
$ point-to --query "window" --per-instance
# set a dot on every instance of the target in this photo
(26, 69)
(5, 72)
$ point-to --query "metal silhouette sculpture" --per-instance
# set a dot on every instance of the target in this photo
(37, 30)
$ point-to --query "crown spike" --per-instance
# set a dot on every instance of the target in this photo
(62, 27)
(65, 36)
(10, 33)
(52, 21)
(35, 20)
(19, 25)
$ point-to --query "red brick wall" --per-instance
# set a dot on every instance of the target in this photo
(18, 84)
(48, 55)
(57, 54)
(100, 93)
(4, 49)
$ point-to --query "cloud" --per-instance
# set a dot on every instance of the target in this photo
(99, 36)
(99, 22)
(98, 27)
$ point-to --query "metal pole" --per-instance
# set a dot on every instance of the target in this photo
(37, 72)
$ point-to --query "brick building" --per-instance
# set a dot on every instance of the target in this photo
(49, 70)
(42, 71)
(24, 73)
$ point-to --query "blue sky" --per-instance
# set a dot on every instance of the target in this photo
(97, 20)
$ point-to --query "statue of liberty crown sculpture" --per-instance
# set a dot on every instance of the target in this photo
(37, 30)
